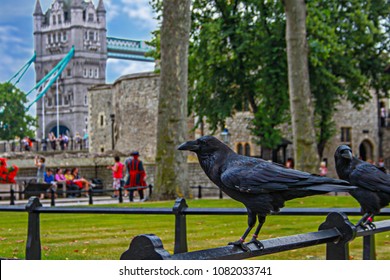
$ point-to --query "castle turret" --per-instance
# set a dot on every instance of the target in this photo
(101, 12)
(69, 23)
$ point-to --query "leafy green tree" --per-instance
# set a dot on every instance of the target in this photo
(348, 51)
(238, 61)
(14, 120)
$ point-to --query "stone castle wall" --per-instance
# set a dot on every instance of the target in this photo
(134, 101)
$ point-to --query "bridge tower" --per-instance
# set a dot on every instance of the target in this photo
(65, 24)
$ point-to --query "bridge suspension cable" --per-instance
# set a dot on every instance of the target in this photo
(23, 70)
(44, 85)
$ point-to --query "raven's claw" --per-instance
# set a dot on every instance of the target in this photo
(257, 243)
(362, 225)
(240, 243)
(370, 224)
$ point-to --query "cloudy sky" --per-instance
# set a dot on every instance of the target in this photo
(133, 19)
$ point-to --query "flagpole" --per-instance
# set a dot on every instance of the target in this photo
(43, 118)
(58, 111)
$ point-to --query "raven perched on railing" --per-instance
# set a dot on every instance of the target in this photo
(260, 185)
(373, 192)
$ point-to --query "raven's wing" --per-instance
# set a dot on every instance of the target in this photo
(266, 177)
(370, 177)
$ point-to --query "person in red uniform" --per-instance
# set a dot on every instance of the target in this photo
(136, 175)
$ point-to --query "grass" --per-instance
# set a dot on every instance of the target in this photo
(94, 237)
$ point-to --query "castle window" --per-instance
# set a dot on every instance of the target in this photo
(86, 100)
(69, 72)
(85, 73)
(49, 102)
(66, 16)
(247, 149)
(91, 35)
(90, 17)
(96, 73)
(90, 73)
(66, 100)
(239, 149)
(59, 19)
(64, 37)
(346, 135)
(54, 19)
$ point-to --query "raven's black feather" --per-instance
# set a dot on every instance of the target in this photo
(260, 185)
(373, 183)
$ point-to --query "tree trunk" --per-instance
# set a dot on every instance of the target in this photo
(302, 111)
(171, 174)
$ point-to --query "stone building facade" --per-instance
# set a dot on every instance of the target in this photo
(125, 112)
(134, 101)
(65, 24)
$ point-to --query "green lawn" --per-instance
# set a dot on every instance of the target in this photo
(91, 236)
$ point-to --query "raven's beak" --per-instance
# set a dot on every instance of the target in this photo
(346, 154)
(189, 146)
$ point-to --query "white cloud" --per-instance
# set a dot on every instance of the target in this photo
(14, 51)
(117, 68)
(141, 11)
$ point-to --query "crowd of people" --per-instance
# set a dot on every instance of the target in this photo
(68, 179)
(130, 175)
(62, 142)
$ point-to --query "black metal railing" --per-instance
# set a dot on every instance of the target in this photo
(336, 231)
(201, 188)
(38, 145)
(92, 192)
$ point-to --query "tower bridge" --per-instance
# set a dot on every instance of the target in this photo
(78, 26)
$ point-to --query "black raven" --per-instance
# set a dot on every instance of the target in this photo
(260, 185)
(373, 192)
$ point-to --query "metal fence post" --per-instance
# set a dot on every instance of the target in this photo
(120, 194)
(12, 193)
(33, 244)
(199, 191)
(150, 190)
(339, 250)
(90, 196)
(180, 226)
(52, 197)
(369, 252)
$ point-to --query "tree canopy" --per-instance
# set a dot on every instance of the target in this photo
(238, 61)
(14, 120)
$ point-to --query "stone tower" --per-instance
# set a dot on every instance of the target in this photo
(65, 24)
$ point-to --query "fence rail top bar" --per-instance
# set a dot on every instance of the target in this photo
(380, 226)
(100, 210)
(149, 246)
